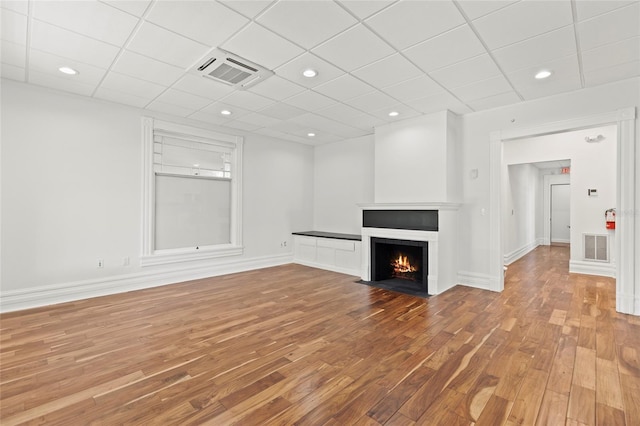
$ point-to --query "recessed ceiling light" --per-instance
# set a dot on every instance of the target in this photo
(309, 73)
(394, 114)
(311, 134)
(543, 74)
(225, 112)
(68, 70)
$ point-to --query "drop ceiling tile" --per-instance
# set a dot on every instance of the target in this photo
(12, 72)
(466, 72)
(482, 89)
(415, 88)
(403, 111)
(307, 23)
(326, 125)
(565, 77)
(247, 100)
(340, 112)
(259, 119)
(310, 101)
(611, 54)
(19, 6)
(439, 102)
(366, 122)
(495, 101)
(475, 8)
(292, 128)
(13, 54)
(521, 20)
(533, 51)
(169, 108)
(353, 49)
(282, 111)
(589, 9)
(344, 88)
(207, 22)
(163, 45)
(93, 19)
(215, 108)
(242, 125)
(365, 8)
(262, 46)
(276, 88)
(275, 134)
(613, 73)
(60, 83)
(47, 63)
(183, 99)
(438, 52)
(203, 87)
(207, 117)
(145, 68)
(14, 27)
(134, 86)
(409, 22)
(134, 7)
(71, 45)
(610, 27)
(372, 101)
(390, 70)
(248, 8)
(121, 97)
(292, 70)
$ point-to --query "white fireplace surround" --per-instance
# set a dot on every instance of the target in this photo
(441, 244)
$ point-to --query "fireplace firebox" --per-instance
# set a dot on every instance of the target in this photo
(400, 265)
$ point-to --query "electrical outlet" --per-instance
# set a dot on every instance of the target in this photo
(100, 263)
(283, 244)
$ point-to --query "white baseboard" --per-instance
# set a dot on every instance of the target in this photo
(332, 268)
(559, 240)
(48, 295)
(509, 258)
(473, 279)
(627, 303)
(592, 268)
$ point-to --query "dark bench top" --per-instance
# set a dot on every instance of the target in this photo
(333, 235)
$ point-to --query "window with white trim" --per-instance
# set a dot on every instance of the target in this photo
(192, 193)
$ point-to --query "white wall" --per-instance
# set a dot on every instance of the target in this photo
(71, 194)
(519, 210)
(343, 178)
(477, 127)
(417, 160)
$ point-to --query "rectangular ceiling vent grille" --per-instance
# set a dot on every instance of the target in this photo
(231, 69)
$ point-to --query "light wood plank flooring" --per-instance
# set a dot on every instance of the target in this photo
(296, 345)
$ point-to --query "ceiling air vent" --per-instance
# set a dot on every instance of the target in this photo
(232, 70)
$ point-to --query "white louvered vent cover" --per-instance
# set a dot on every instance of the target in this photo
(231, 69)
(596, 247)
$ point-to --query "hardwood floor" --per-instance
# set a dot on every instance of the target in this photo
(296, 345)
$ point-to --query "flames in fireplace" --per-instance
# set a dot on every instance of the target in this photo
(402, 267)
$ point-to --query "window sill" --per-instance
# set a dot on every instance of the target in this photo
(162, 257)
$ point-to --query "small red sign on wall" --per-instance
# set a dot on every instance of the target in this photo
(566, 170)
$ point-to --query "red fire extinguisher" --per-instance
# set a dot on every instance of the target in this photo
(610, 218)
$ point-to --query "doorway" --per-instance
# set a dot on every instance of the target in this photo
(560, 214)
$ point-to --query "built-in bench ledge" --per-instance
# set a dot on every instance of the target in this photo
(332, 235)
(328, 250)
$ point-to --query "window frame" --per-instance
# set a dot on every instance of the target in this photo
(150, 256)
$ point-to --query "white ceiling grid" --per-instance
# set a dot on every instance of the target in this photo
(372, 56)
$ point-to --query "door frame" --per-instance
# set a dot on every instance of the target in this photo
(549, 181)
(627, 275)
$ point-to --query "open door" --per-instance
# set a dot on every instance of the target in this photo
(560, 214)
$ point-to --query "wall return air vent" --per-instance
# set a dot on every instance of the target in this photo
(231, 69)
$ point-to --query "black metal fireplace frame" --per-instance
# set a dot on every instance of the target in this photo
(420, 288)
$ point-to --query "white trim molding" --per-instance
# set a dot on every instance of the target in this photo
(48, 295)
(475, 280)
(509, 258)
(592, 268)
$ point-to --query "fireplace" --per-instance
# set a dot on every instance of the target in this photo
(400, 265)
